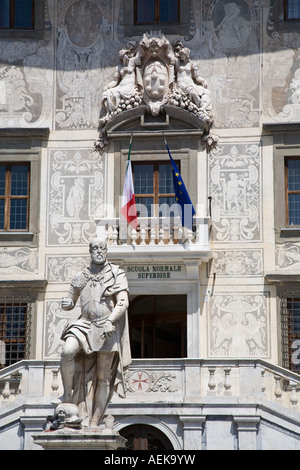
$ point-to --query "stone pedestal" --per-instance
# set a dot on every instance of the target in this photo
(80, 439)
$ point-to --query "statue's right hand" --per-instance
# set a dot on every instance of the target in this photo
(67, 303)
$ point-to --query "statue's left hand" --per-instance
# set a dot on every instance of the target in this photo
(108, 328)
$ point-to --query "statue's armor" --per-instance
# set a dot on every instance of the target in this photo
(97, 297)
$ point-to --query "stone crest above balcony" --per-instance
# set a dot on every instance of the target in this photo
(157, 81)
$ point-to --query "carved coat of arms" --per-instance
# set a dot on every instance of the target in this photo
(155, 72)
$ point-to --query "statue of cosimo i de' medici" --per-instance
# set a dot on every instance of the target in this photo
(96, 349)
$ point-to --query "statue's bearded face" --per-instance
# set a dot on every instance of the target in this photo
(98, 253)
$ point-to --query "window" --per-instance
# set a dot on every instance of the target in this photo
(292, 184)
(154, 190)
(14, 331)
(290, 320)
(17, 14)
(292, 10)
(14, 196)
(156, 11)
(158, 326)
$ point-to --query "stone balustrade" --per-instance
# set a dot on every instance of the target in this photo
(155, 234)
(164, 380)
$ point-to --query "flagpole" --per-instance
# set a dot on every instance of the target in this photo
(129, 151)
(128, 208)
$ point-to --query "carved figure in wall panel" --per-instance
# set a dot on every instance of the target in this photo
(228, 53)
(75, 195)
(239, 325)
(235, 186)
(237, 263)
(288, 256)
(84, 32)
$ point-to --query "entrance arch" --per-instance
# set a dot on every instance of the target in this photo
(145, 437)
(157, 429)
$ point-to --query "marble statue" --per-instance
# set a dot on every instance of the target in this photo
(96, 348)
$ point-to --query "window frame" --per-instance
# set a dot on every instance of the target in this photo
(24, 146)
(37, 32)
(286, 18)
(289, 192)
(288, 333)
(12, 17)
(13, 338)
(8, 197)
(179, 29)
(156, 14)
(156, 194)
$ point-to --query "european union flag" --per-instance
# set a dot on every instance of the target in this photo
(182, 196)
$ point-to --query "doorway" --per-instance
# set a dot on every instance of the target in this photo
(158, 325)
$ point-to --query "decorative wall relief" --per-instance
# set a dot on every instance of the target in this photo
(63, 268)
(56, 321)
(235, 185)
(142, 381)
(237, 263)
(75, 195)
(291, 111)
(18, 261)
(26, 91)
(280, 71)
(288, 256)
(26, 80)
(83, 43)
(239, 325)
(228, 52)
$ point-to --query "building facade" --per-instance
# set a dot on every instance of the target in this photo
(214, 313)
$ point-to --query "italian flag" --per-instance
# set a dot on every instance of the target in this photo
(128, 209)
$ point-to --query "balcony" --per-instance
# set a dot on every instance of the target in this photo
(156, 236)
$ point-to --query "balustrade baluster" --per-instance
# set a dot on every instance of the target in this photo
(263, 381)
(152, 236)
(212, 381)
(277, 391)
(161, 236)
(293, 395)
(6, 389)
(55, 384)
(115, 235)
(227, 384)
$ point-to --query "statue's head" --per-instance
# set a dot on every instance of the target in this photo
(98, 251)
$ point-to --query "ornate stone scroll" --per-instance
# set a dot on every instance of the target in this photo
(155, 73)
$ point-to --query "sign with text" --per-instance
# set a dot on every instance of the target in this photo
(155, 271)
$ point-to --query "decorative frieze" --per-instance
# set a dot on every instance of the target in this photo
(63, 268)
(142, 381)
(239, 325)
(237, 263)
(75, 195)
(235, 186)
(14, 261)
